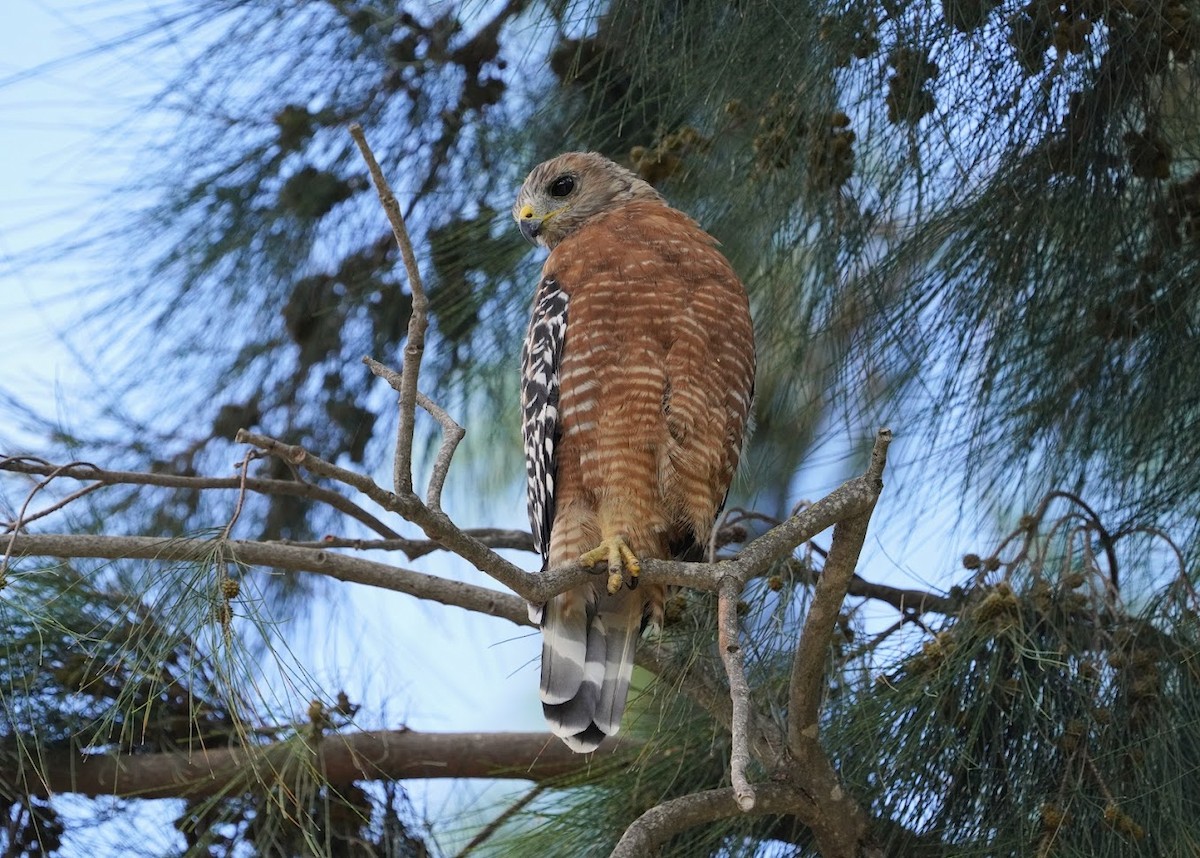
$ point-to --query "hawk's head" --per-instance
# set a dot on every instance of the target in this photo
(561, 194)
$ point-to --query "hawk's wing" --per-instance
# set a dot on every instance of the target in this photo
(541, 357)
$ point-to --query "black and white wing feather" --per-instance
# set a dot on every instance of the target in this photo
(541, 358)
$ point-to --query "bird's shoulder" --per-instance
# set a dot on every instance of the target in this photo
(626, 237)
(644, 220)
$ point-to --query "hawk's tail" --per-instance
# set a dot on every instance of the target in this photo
(587, 663)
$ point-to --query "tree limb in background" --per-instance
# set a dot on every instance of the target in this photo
(342, 760)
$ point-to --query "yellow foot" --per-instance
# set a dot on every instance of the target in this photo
(614, 552)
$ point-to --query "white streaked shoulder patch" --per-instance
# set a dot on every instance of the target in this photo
(541, 358)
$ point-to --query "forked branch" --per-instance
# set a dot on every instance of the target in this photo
(452, 433)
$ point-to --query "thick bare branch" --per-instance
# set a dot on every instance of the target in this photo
(341, 758)
(414, 347)
(23, 518)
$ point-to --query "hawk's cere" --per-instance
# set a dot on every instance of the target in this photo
(638, 371)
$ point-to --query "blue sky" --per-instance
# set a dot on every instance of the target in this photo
(56, 161)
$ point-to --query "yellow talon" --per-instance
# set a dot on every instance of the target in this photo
(619, 558)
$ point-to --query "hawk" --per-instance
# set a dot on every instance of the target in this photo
(637, 376)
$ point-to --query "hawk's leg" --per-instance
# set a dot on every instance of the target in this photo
(619, 558)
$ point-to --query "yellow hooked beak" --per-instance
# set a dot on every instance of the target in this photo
(531, 223)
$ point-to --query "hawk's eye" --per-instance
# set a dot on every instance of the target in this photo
(562, 186)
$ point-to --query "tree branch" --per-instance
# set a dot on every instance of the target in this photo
(492, 537)
(851, 498)
(739, 690)
(414, 346)
(452, 433)
(659, 824)
(342, 759)
(905, 600)
(436, 524)
(351, 569)
(812, 653)
(291, 488)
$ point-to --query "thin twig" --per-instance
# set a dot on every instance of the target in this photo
(874, 642)
(17, 523)
(23, 520)
(739, 690)
(452, 434)
(250, 456)
(1182, 579)
(414, 347)
(738, 514)
(492, 827)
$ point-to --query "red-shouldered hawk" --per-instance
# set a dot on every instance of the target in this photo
(638, 371)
